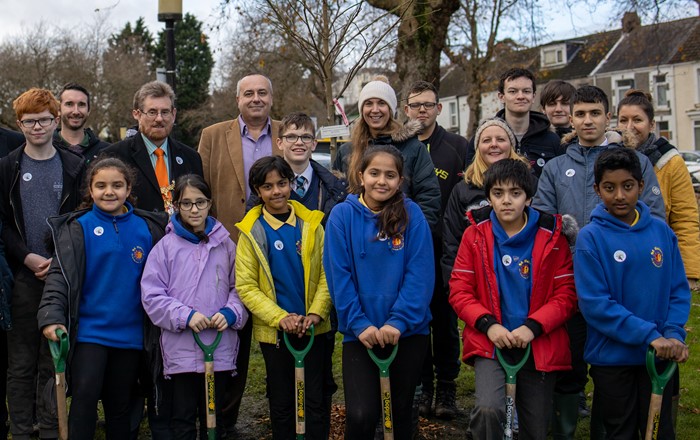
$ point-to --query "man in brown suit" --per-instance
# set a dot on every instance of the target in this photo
(228, 149)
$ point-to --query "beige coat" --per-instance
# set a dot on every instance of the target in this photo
(222, 160)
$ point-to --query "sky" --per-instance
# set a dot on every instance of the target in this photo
(20, 15)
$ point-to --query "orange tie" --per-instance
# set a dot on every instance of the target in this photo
(162, 174)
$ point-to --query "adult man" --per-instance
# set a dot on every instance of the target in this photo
(555, 100)
(9, 140)
(535, 140)
(37, 181)
(228, 150)
(448, 152)
(158, 158)
(75, 109)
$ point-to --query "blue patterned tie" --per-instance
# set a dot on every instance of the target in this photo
(300, 182)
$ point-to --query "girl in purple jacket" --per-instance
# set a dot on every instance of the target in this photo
(188, 286)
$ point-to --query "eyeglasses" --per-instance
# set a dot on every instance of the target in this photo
(152, 114)
(43, 122)
(418, 105)
(292, 138)
(186, 205)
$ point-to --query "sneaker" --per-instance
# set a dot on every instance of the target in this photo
(425, 402)
(445, 406)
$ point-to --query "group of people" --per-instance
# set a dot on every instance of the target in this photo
(135, 248)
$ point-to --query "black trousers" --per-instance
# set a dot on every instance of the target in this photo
(233, 392)
(106, 373)
(361, 383)
(574, 381)
(279, 367)
(189, 404)
(621, 396)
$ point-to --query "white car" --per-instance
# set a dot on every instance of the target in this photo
(691, 157)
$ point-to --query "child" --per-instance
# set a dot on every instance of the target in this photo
(92, 292)
(189, 284)
(633, 293)
(512, 285)
(379, 262)
(280, 279)
(566, 187)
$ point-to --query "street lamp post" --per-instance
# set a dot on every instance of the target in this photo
(170, 11)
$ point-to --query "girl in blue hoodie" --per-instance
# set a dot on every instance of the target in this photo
(380, 271)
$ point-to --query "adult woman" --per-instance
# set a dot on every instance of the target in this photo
(635, 115)
(494, 140)
(378, 126)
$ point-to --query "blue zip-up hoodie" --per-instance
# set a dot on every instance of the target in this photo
(631, 286)
(375, 282)
(566, 184)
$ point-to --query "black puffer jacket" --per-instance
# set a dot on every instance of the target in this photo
(420, 183)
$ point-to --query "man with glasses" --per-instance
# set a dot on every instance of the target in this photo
(37, 181)
(449, 153)
(158, 158)
(228, 150)
(75, 109)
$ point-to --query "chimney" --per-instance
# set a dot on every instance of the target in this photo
(630, 22)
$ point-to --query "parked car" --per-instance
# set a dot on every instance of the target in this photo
(691, 157)
(322, 158)
(694, 171)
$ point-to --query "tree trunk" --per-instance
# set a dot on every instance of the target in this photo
(422, 37)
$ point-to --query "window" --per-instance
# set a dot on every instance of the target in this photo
(622, 86)
(661, 90)
(552, 56)
(664, 129)
(454, 117)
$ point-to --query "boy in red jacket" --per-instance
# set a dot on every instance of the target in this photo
(512, 284)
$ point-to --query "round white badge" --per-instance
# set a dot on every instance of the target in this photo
(98, 231)
(620, 256)
(540, 162)
(507, 260)
(178, 159)
(656, 190)
(279, 245)
(570, 172)
(27, 177)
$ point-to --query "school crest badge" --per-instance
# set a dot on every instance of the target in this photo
(137, 254)
(396, 242)
(657, 257)
(524, 268)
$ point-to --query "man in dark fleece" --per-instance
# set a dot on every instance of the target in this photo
(75, 110)
(535, 138)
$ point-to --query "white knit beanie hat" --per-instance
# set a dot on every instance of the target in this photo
(378, 88)
(498, 122)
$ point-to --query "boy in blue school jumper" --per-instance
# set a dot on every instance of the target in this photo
(633, 293)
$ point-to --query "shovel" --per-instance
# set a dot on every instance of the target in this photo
(210, 396)
(300, 386)
(511, 374)
(658, 383)
(59, 353)
(385, 390)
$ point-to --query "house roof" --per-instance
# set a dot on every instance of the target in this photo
(656, 44)
(453, 82)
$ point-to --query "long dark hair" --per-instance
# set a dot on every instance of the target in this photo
(196, 182)
(393, 218)
(101, 163)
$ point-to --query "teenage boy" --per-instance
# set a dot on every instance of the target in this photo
(281, 281)
(75, 110)
(313, 186)
(555, 102)
(566, 187)
(37, 180)
(534, 138)
(633, 293)
(448, 152)
(512, 284)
